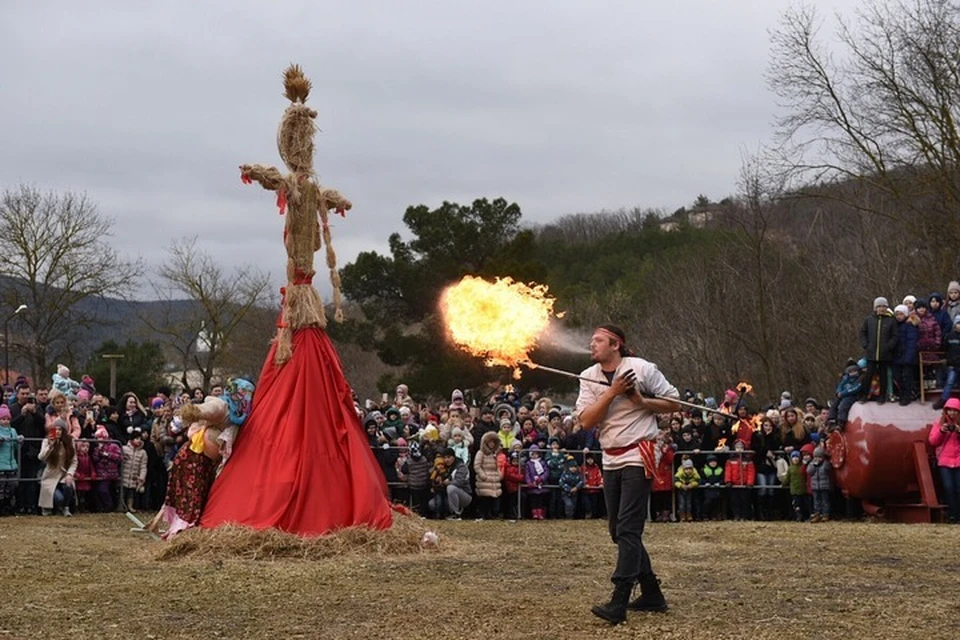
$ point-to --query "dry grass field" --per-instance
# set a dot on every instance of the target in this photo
(89, 577)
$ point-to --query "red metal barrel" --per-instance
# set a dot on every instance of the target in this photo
(873, 457)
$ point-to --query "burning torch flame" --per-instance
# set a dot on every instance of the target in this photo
(498, 321)
(743, 388)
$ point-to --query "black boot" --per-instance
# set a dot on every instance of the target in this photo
(615, 611)
(651, 598)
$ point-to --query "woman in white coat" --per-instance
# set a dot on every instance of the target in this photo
(56, 483)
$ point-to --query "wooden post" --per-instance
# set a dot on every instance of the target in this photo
(112, 358)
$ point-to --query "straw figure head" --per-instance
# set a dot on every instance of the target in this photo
(295, 135)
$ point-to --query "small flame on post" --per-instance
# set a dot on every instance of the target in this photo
(498, 321)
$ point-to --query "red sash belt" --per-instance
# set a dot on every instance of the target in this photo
(648, 453)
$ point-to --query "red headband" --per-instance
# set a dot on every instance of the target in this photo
(612, 336)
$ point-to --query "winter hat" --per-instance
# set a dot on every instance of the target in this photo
(936, 296)
(879, 302)
(818, 452)
(534, 448)
(62, 371)
(505, 423)
(83, 395)
(456, 395)
(393, 411)
(794, 454)
(552, 440)
(369, 422)
(711, 458)
(739, 443)
(448, 453)
(901, 308)
(86, 379)
(457, 431)
(375, 415)
(812, 401)
(431, 433)
(688, 464)
(953, 286)
(404, 411)
(909, 299)
(156, 404)
(4, 412)
(815, 437)
(711, 403)
(401, 442)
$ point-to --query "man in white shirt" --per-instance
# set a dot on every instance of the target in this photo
(626, 418)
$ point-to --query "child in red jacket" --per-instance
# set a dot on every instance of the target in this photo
(513, 477)
(592, 486)
(739, 474)
(661, 502)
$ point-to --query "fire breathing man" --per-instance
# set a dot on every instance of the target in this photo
(626, 418)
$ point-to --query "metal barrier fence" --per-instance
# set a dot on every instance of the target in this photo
(119, 503)
(723, 488)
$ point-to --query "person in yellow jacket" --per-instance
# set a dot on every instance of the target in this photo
(686, 482)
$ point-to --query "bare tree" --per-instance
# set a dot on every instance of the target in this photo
(884, 116)
(58, 260)
(202, 307)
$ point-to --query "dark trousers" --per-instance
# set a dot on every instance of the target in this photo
(28, 490)
(627, 492)
(488, 507)
(418, 500)
(950, 476)
(873, 366)
(903, 376)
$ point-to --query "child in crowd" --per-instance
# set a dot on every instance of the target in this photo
(84, 477)
(417, 471)
(740, 474)
(711, 479)
(106, 466)
(536, 476)
(592, 486)
(489, 477)
(401, 493)
(819, 473)
(506, 434)
(686, 481)
(134, 471)
(556, 462)
(9, 468)
(571, 482)
(460, 446)
(662, 489)
(513, 478)
(797, 480)
(439, 477)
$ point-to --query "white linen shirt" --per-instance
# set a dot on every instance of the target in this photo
(625, 423)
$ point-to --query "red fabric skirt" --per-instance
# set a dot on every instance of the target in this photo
(189, 484)
(301, 462)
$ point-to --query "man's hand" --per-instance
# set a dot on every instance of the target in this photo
(624, 384)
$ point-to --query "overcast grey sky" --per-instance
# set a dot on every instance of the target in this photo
(563, 107)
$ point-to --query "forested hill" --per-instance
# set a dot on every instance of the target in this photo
(771, 291)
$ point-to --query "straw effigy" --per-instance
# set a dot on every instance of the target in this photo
(307, 207)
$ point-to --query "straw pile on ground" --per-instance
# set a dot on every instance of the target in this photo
(405, 537)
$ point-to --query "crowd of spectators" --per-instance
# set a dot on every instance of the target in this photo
(67, 446)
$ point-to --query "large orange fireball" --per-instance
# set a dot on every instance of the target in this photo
(499, 321)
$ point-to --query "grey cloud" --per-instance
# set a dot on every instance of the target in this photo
(560, 106)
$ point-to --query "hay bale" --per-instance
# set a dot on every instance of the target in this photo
(405, 537)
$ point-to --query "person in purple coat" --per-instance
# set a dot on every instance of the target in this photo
(536, 475)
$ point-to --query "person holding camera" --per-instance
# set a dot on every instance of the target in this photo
(946, 440)
(28, 420)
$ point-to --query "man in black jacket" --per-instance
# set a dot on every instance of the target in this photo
(878, 337)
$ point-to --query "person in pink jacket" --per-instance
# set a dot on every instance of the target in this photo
(944, 437)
